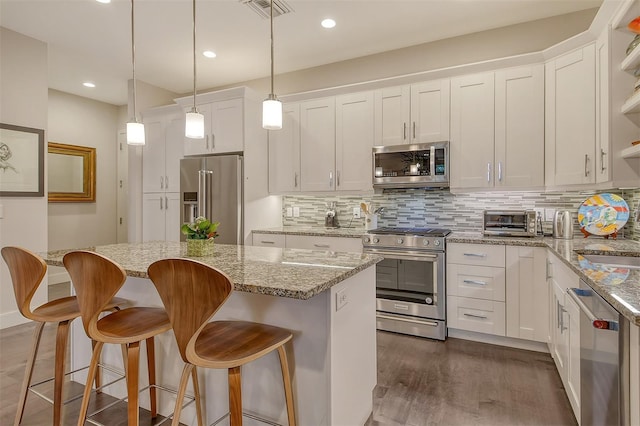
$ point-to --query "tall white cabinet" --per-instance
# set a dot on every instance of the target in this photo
(317, 145)
(284, 152)
(570, 113)
(164, 131)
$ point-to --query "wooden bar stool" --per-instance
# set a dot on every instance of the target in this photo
(27, 271)
(192, 292)
(96, 280)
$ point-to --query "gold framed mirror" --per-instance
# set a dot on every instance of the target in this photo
(71, 173)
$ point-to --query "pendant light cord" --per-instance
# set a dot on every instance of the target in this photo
(133, 60)
(271, 19)
(194, 55)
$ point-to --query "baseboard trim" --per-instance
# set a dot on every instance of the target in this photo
(11, 319)
(511, 342)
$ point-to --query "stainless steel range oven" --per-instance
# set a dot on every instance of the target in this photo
(410, 281)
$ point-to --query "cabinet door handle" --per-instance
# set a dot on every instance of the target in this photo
(166, 203)
(166, 182)
(161, 182)
(267, 242)
(331, 179)
(475, 316)
(474, 282)
(500, 171)
(548, 269)
(338, 178)
(207, 141)
(488, 172)
(602, 154)
(414, 129)
(295, 180)
(321, 245)
(160, 203)
(404, 131)
(475, 254)
(586, 165)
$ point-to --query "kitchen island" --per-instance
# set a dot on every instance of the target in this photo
(327, 299)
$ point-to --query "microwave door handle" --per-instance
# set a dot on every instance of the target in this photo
(432, 161)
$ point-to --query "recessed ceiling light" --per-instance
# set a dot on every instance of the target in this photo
(104, 1)
(328, 23)
(209, 54)
(88, 84)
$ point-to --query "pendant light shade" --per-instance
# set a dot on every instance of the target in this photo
(194, 121)
(271, 107)
(135, 129)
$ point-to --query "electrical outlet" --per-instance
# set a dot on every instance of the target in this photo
(289, 212)
(342, 298)
(296, 211)
(549, 214)
(356, 212)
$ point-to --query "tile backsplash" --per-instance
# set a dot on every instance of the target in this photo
(439, 208)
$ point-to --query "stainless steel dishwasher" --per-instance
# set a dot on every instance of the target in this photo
(604, 360)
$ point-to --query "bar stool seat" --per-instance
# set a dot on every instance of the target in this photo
(192, 292)
(27, 272)
(96, 280)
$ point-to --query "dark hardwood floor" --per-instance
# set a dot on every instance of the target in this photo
(420, 382)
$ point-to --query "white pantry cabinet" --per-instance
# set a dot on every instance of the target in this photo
(284, 152)
(161, 154)
(570, 117)
(497, 129)
(223, 128)
(527, 295)
(161, 216)
(412, 114)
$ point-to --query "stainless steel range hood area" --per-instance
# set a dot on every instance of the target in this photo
(424, 165)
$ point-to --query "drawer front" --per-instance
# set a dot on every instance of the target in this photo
(477, 282)
(562, 274)
(476, 254)
(484, 316)
(268, 240)
(324, 243)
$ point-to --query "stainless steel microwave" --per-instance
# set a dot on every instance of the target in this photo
(512, 223)
(419, 165)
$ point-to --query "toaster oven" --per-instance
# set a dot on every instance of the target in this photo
(511, 223)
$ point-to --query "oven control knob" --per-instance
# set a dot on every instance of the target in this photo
(425, 242)
(366, 239)
(400, 241)
(429, 301)
(375, 240)
(436, 243)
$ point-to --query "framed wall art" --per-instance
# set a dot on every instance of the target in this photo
(21, 161)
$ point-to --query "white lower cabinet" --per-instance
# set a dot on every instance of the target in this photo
(161, 216)
(480, 315)
(565, 329)
(268, 240)
(307, 242)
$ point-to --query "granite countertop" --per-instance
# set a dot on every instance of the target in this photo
(314, 231)
(618, 286)
(293, 273)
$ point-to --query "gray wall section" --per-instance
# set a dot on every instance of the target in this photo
(460, 212)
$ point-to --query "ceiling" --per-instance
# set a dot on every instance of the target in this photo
(91, 41)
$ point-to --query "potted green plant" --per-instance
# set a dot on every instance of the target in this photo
(200, 236)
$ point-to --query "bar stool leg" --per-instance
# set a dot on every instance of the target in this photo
(184, 379)
(151, 367)
(98, 380)
(133, 359)
(28, 372)
(286, 379)
(196, 395)
(62, 336)
(91, 374)
(235, 396)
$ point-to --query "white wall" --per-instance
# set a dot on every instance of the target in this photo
(23, 220)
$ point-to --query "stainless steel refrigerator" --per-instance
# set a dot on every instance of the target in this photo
(212, 187)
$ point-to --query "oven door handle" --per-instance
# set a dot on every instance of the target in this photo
(394, 255)
(414, 321)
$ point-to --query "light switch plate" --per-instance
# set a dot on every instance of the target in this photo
(289, 212)
(549, 214)
(296, 212)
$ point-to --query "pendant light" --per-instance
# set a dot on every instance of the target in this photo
(135, 129)
(194, 122)
(271, 107)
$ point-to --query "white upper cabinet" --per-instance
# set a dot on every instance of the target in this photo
(284, 152)
(317, 145)
(603, 109)
(223, 128)
(412, 114)
(519, 131)
(354, 141)
(570, 118)
(472, 131)
(161, 154)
